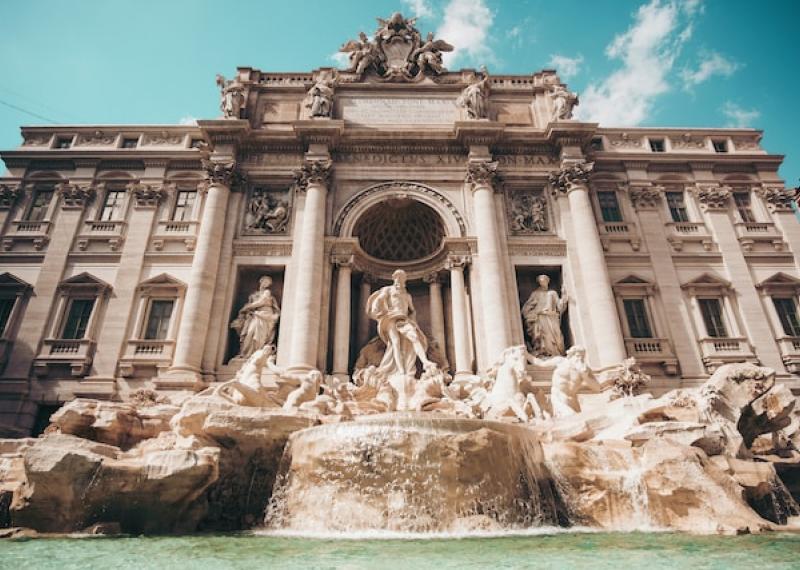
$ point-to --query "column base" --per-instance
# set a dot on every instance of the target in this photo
(96, 388)
(180, 379)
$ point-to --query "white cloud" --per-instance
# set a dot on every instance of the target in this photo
(738, 116)
(188, 120)
(647, 50)
(340, 59)
(711, 64)
(466, 26)
(566, 66)
(419, 8)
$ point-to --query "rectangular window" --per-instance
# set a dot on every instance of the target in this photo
(597, 143)
(711, 309)
(158, 319)
(112, 207)
(677, 207)
(196, 143)
(743, 206)
(787, 313)
(184, 205)
(38, 210)
(80, 310)
(636, 314)
(720, 146)
(609, 207)
(63, 142)
(657, 145)
(130, 143)
(6, 306)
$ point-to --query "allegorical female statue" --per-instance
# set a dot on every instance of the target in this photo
(257, 320)
(542, 314)
(392, 307)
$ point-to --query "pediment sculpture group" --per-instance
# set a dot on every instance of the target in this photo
(400, 370)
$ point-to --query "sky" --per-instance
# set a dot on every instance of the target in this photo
(671, 63)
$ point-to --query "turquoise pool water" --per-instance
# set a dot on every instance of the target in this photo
(259, 552)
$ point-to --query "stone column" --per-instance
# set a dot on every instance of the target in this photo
(496, 318)
(602, 310)
(196, 315)
(362, 334)
(458, 297)
(436, 312)
(341, 327)
(312, 178)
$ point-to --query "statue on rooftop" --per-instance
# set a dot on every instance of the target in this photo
(319, 100)
(429, 55)
(563, 102)
(232, 97)
(474, 99)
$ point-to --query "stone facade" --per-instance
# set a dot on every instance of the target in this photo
(127, 251)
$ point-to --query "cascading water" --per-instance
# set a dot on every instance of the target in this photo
(412, 472)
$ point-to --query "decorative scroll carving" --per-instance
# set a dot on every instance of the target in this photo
(564, 102)
(483, 173)
(162, 139)
(231, 97)
(146, 195)
(75, 195)
(747, 143)
(527, 212)
(397, 52)
(313, 172)
(687, 140)
(98, 138)
(712, 196)
(624, 140)
(9, 193)
(219, 172)
(646, 197)
(566, 179)
(778, 198)
(267, 212)
(37, 140)
(474, 99)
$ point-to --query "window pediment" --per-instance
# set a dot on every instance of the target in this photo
(633, 284)
(12, 283)
(780, 283)
(84, 283)
(162, 283)
(707, 283)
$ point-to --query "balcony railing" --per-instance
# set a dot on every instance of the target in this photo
(790, 352)
(688, 228)
(77, 353)
(109, 227)
(680, 232)
(171, 227)
(31, 227)
(139, 352)
(717, 351)
(615, 228)
(655, 350)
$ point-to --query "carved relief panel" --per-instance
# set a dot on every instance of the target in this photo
(527, 212)
(267, 212)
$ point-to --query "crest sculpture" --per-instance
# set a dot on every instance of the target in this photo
(397, 51)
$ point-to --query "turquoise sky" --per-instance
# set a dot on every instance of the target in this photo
(659, 63)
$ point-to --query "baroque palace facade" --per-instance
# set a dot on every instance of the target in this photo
(132, 257)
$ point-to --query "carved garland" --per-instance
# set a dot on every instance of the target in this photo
(400, 187)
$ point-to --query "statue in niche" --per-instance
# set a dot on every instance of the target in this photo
(528, 213)
(267, 213)
(232, 97)
(542, 315)
(571, 374)
(474, 99)
(429, 55)
(257, 320)
(319, 100)
(563, 102)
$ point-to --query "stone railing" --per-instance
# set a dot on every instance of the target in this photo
(752, 233)
(718, 351)
(614, 228)
(107, 227)
(653, 350)
(146, 353)
(681, 233)
(76, 353)
(40, 227)
(171, 231)
(790, 352)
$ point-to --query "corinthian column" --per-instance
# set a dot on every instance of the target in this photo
(312, 178)
(190, 344)
(341, 327)
(436, 308)
(481, 175)
(606, 331)
(458, 298)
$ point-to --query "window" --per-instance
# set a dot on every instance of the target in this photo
(63, 142)
(711, 310)
(636, 314)
(184, 205)
(720, 146)
(38, 210)
(77, 321)
(196, 143)
(597, 143)
(787, 313)
(609, 207)
(657, 145)
(112, 207)
(742, 201)
(158, 318)
(677, 207)
(130, 142)
(6, 306)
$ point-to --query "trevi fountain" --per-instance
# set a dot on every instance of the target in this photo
(557, 446)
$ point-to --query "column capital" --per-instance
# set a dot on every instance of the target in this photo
(646, 197)
(457, 262)
(712, 196)
(482, 174)
(221, 172)
(342, 260)
(778, 198)
(9, 193)
(75, 195)
(146, 195)
(432, 278)
(313, 172)
(571, 177)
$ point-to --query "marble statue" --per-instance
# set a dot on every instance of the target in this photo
(308, 386)
(474, 99)
(246, 389)
(571, 374)
(319, 100)
(267, 213)
(232, 97)
(542, 315)
(429, 55)
(257, 320)
(563, 103)
(506, 397)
